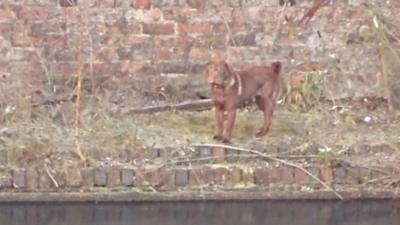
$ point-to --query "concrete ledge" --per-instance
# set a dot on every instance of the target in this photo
(136, 196)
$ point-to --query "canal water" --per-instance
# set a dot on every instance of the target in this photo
(204, 213)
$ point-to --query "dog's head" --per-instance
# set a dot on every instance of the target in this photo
(219, 75)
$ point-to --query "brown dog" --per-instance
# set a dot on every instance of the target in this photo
(230, 89)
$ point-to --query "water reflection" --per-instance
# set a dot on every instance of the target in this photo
(201, 213)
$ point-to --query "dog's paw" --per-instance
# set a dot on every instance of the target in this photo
(226, 141)
(261, 133)
(217, 137)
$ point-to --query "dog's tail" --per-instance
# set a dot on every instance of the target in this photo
(276, 67)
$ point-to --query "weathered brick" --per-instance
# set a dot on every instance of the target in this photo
(198, 4)
(316, 171)
(327, 173)
(104, 54)
(248, 39)
(67, 3)
(32, 13)
(106, 3)
(124, 27)
(6, 28)
(45, 181)
(339, 175)
(219, 155)
(60, 178)
(205, 154)
(376, 175)
(137, 67)
(287, 175)
(232, 155)
(103, 68)
(6, 14)
(87, 177)
(64, 55)
(113, 177)
(159, 28)
(32, 179)
(20, 55)
(142, 4)
(300, 177)
(261, 175)
(100, 177)
(143, 178)
(181, 177)
(179, 15)
(152, 153)
(213, 41)
(165, 179)
(127, 177)
(5, 179)
(221, 175)
(19, 178)
(248, 176)
(64, 68)
(164, 54)
(176, 43)
(234, 176)
(198, 54)
(353, 175)
(165, 153)
(186, 28)
(136, 48)
(171, 67)
(56, 41)
(195, 177)
(364, 175)
(143, 16)
(73, 177)
(195, 68)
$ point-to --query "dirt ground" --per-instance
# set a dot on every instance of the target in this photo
(349, 132)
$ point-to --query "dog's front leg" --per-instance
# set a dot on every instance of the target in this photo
(231, 115)
(219, 114)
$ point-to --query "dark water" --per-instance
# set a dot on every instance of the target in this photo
(202, 213)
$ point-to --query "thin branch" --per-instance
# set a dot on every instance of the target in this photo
(278, 27)
(80, 77)
(274, 159)
(51, 176)
(228, 29)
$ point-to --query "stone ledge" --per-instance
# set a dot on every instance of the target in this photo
(137, 196)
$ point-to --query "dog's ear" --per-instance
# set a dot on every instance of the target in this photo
(276, 67)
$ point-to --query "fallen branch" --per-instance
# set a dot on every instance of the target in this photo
(51, 176)
(274, 159)
(187, 105)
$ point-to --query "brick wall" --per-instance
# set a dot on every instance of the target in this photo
(163, 37)
(220, 170)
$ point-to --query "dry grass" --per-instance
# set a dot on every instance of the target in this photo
(36, 126)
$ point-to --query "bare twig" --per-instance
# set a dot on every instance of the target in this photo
(228, 29)
(80, 76)
(263, 155)
(51, 176)
(78, 150)
(278, 27)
